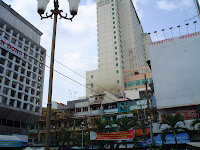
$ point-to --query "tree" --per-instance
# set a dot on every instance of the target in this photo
(65, 138)
(105, 126)
(196, 125)
(171, 121)
(125, 124)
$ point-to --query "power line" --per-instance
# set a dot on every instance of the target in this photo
(65, 75)
(77, 73)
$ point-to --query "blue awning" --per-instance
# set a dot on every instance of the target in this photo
(182, 138)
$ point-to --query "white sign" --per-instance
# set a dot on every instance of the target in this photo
(176, 71)
(12, 48)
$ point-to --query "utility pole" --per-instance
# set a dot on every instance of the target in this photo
(149, 112)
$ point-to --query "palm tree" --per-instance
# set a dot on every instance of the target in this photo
(125, 124)
(195, 124)
(105, 126)
(171, 121)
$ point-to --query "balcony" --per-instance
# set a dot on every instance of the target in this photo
(81, 114)
(95, 112)
(110, 111)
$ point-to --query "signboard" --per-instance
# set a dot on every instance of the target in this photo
(176, 70)
(120, 135)
(24, 138)
(187, 115)
(11, 143)
(10, 47)
(123, 106)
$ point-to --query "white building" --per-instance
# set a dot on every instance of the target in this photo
(122, 45)
(22, 68)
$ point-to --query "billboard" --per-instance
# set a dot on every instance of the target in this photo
(120, 135)
(176, 70)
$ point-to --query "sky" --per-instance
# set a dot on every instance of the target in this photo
(76, 41)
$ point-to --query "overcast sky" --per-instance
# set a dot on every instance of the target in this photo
(76, 43)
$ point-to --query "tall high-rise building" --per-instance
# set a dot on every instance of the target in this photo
(22, 60)
(122, 45)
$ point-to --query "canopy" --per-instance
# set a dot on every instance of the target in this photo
(182, 138)
(10, 141)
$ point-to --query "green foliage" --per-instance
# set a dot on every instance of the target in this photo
(65, 138)
(195, 124)
(171, 121)
(126, 123)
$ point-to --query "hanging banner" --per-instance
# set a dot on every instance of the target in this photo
(120, 135)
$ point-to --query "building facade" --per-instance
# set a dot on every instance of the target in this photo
(22, 68)
(122, 45)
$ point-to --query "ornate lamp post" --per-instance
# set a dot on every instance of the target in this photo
(42, 4)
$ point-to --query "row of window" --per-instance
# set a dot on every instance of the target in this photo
(20, 62)
(19, 104)
(21, 87)
(17, 39)
(138, 82)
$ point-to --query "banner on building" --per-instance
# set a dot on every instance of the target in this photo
(10, 47)
(187, 115)
(120, 135)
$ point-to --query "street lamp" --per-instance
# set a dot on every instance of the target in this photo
(42, 4)
(82, 126)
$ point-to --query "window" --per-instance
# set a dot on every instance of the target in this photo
(113, 27)
(2, 61)
(115, 47)
(117, 81)
(3, 52)
(112, 8)
(115, 42)
(92, 76)
(113, 13)
(113, 17)
(1, 69)
(115, 53)
(117, 71)
(17, 60)
(114, 32)
(112, 4)
(15, 76)
(21, 79)
(9, 64)
(116, 64)
(16, 68)
(85, 109)
(113, 22)
(78, 109)
(92, 85)
(7, 82)
(114, 37)
(116, 58)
